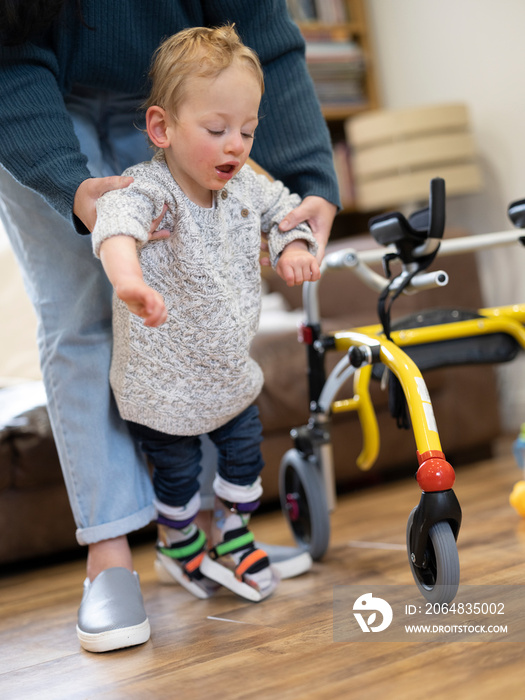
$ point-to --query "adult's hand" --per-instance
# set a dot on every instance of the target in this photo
(84, 204)
(319, 213)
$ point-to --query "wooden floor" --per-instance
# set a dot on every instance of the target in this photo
(281, 648)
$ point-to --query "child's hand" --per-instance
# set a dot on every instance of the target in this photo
(142, 301)
(297, 265)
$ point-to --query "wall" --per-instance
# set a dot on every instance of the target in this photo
(469, 51)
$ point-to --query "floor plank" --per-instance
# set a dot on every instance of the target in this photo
(283, 647)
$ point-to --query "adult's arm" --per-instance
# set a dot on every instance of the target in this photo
(38, 145)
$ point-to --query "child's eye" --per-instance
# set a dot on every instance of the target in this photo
(216, 133)
(248, 136)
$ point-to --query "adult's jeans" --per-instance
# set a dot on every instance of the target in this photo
(106, 476)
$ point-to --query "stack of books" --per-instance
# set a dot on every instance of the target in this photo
(324, 11)
(337, 69)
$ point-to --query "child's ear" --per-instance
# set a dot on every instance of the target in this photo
(157, 126)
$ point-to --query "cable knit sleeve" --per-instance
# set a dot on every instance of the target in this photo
(131, 211)
(274, 201)
(277, 240)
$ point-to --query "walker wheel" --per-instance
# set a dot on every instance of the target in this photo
(438, 579)
(303, 502)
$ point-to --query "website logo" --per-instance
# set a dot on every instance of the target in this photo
(367, 603)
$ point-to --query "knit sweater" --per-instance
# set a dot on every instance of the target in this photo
(194, 373)
(111, 51)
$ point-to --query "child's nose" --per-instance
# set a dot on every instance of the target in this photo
(235, 144)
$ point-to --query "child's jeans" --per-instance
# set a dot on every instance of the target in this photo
(177, 459)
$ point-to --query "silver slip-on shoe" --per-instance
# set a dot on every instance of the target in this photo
(111, 614)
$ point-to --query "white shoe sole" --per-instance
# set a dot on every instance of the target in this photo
(114, 639)
(219, 573)
(170, 573)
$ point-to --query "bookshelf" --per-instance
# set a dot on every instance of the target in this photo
(338, 54)
(341, 63)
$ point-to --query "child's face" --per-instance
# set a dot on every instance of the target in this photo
(213, 135)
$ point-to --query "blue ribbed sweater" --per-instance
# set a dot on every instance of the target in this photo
(113, 52)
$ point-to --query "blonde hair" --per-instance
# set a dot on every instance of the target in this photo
(197, 52)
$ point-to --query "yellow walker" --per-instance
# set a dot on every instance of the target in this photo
(399, 352)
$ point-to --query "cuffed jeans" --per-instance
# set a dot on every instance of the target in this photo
(106, 476)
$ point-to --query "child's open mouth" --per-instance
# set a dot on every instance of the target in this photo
(225, 171)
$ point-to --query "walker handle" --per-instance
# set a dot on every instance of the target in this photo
(516, 212)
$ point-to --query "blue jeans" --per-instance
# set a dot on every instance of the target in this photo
(177, 459)
(106, 476)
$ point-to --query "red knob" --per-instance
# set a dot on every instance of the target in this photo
(434, 473)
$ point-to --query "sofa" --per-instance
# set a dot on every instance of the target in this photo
(34, 511)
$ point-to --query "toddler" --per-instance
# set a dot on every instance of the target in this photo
(186, 306)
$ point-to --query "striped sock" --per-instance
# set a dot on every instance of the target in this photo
(180, 540)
